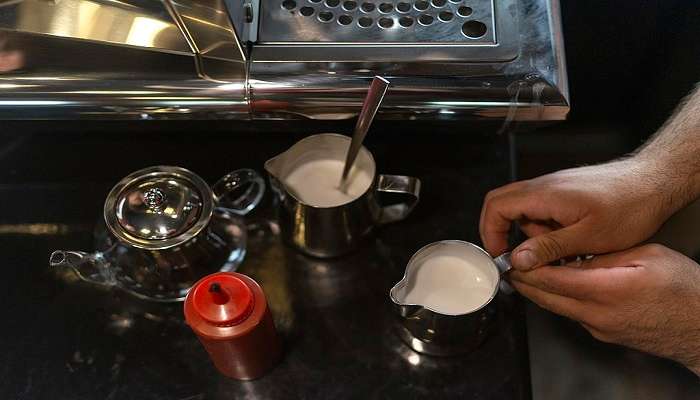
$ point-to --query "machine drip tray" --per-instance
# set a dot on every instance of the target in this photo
(350, 30)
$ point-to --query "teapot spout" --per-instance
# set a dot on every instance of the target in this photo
(89, 267)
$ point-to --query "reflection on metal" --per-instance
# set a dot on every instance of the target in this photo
(207, 27)
(146, 25)
(172, 59)
(440, 87)
(413, 359)
(41, 229)
(126, 59)
(328, 232)
(115, 82)
(289, 35)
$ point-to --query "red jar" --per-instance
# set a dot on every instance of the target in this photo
(229, 314)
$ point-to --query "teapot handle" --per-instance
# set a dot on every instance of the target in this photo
(246, 180)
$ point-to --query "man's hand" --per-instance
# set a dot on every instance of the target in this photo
(603, 208)
(588, 210)
(647, 298)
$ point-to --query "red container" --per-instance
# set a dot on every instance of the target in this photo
(229, 314)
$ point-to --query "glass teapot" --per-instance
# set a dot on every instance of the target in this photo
(166, 229)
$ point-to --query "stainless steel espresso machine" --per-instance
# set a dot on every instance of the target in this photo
(281, 59)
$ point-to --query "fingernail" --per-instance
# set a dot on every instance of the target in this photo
(525, 259)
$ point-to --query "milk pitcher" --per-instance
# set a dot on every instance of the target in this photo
(458, 328)
(333, 231)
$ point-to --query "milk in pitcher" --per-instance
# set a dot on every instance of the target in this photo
(317, 183)
(451, 285)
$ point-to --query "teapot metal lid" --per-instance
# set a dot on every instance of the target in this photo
(158, 207)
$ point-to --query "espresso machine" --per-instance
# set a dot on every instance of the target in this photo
(281, 59)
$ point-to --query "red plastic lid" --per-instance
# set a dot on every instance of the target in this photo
(223, 299)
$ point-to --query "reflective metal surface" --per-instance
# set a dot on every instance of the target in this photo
(406, 22)
(164, 229)
(373, 100)
(58, 78)
(530, 87)
(131, 59)
(245, 16)
(441, 30)
(207, 27)
(161, 205)
(123, 22)
(529, 97)
(126, 59)
(335, 231)
(181, 205)
(207, 24)
(431, 332)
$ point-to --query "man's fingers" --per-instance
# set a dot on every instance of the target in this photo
(502, 207)
(532, 229)
(626, 258)
(582, 284)
(496, 241)
(494, 235)
(568, 307)
(550, 247)
(494, 231)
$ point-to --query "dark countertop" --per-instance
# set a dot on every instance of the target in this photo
(68, 339)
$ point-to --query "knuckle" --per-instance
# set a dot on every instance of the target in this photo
(488, 199)
(551, 247)
(520, 185)
(607, 325)
(494, 194)
(655, 249)
(589, 320)
(599, 335)
(601, 322)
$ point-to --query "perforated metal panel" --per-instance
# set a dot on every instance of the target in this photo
(378, 21)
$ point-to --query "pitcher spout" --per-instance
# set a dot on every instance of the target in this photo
(91, 268)
(273, 166)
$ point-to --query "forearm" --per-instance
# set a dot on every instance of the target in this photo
(673, 154)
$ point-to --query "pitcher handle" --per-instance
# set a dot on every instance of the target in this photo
(235, 181)
(398, 184)
(504, 266)
(503, 263)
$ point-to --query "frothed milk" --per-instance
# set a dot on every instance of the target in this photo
(451, 285)
(317, 182)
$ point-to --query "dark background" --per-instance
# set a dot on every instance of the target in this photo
(629, 65)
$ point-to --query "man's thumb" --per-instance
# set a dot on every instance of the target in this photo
(544, 249)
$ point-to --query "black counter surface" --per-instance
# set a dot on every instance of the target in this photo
(66, 339)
